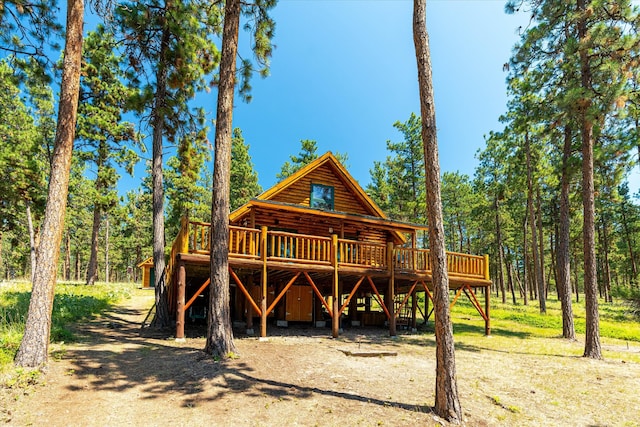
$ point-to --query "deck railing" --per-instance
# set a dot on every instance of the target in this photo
(306, 249)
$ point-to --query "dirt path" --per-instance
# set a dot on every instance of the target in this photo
(114, 377)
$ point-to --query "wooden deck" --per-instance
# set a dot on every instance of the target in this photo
(330, 265)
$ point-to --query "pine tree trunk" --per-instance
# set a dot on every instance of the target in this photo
(630, 245)
(32, 241)
(592, 347)
(536, 277)
(500, 251)
(525, 254)
(92, 268)
(161, 318)
(543, 281)
(106, 250)
(34, 347)
(447, 403)
(219, 328)
(606, 285)
(67, 259)
(563, 256)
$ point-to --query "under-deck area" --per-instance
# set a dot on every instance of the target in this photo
(281, 277)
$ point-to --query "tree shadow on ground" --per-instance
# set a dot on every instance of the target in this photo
(115, 356)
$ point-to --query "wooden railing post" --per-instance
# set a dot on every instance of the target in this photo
(180, 315)
(263, 291)
(335, 319)
(486, 267)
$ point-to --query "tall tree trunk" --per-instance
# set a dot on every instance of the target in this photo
(510, 279)
(543, 281)
(606, 285)
(32, 240)
(447, 400)
(92, 268)
(219, 328)
(106, 249)
(77, 265)
(34, 347)
(629, 243)
(592, 347)
(562, 254)
(67, 259)
(536, 276)
(161, 318)
(525, 264)
(500, 250)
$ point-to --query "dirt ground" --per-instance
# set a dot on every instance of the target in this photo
(115, 375)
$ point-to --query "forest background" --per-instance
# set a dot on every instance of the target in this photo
(507, 207)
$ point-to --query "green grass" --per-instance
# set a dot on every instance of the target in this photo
(616, 319)
(72, 303)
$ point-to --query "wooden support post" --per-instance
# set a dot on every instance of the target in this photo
(263, 290)
(487, 320)
(335, 319)
(182, 286)
(414, 309)
(426, 306)
(248, 307)
(391, 293)
(487, 297)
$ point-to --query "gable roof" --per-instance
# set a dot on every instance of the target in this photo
(326, 160)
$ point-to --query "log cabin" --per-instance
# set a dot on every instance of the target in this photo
(316, 249)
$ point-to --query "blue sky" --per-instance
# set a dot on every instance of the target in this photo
(344, 71)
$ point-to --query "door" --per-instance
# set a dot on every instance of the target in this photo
(299, 304)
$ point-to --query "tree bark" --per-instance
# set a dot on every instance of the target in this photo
(563, 256)
(592, 347)
(92, 268)
(500, 250)
(32, 241)
(536, 277)
(33, 351)
(629, 243)
(543, 281)
(525, 256)
(219, 328)
(106, 249)
(67, 260)
(447, 403)
(606, 285)
(161, 318)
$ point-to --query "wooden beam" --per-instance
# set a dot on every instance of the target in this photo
(246, 293)
(263, 290)
(335, 318)
(391, 294)
(318, 294)
(282, 292)
(198, 292)
(353, 291)
(379, 298)
(182, 285)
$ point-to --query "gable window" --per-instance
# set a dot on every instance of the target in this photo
(321, 197)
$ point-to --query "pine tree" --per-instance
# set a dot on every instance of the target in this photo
(105, 138)
(219, 331)
(34, 347)
(308, 153)
(244, 179)
(176, 39)
(447, 401)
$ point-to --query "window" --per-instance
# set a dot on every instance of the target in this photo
(321, 196)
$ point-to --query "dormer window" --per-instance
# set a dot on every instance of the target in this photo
(321, 197)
